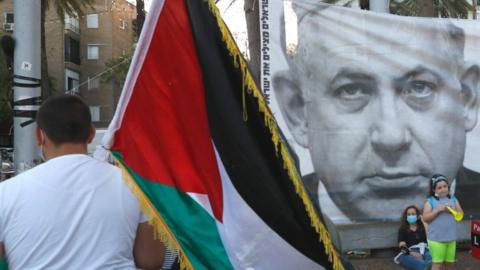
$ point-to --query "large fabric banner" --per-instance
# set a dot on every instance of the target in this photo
(374, 105)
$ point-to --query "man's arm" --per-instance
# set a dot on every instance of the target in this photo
(3, 258)
(148, 252)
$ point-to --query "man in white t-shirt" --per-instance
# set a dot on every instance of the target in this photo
(72, 212)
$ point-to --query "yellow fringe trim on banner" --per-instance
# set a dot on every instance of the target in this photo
(162, 231)
(249, 87)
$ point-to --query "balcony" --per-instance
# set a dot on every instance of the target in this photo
(72, 24)
(8, 27)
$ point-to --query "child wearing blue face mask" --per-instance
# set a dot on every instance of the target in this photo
(412, 241)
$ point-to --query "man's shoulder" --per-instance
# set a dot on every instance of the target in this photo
(60, 169)
(101, 163)
(467, 188)
(80, 162)
(466, 176)
(20, 178)
(310, 181)
(12, 188)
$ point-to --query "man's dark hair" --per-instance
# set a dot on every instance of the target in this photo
(65, 119)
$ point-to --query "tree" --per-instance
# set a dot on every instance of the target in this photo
(116, 73)
(140, 20)
(6, 71)
(253, 30)
(5, 91)
(117, 69)
(425, 8)
(63, 8)
(6, 112)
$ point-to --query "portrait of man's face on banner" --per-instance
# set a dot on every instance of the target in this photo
(382, 103)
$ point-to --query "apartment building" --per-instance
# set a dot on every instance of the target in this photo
(78, 47)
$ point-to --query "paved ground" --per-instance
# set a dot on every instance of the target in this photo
(382, 260)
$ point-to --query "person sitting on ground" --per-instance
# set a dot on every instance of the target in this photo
(412, 241)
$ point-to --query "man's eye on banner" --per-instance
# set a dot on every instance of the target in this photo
(376, 104)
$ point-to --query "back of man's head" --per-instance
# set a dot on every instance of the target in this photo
(65, 119)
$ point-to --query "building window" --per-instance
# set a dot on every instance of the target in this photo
(72, 50)
(71, 81)
(93, 52)
(95, 112)
(93, 83)
(123, 24)
(8, 17)
(8, 21)
(92, 21)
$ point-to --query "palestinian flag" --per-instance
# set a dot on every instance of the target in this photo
(202, 152)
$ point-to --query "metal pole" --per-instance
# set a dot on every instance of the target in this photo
(474, 9)
(26, 82)
(381, 6)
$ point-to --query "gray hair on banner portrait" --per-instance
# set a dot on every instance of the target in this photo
(382, 103)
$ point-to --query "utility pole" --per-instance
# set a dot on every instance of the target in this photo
(381, 6)
(474, 9)
(26, 82)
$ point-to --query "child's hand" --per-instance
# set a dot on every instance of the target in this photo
(442, 208)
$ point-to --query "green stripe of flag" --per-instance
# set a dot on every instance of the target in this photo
(193, 227)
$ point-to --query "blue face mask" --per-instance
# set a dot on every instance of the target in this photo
(411, 219)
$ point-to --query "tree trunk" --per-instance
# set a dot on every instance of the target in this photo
(45, 83)
(428, 9)
(474, 9)
(364, 4)
(140, 16)
(253, 29)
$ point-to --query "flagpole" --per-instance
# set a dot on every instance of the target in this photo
(381, 6)
(26, 82)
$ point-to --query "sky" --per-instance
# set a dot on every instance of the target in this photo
(147, 3)
(234, 16)
(232, 13)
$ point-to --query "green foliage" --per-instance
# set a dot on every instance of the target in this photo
(406, 7)
(68, 7)
(117, 69)
(345, 3)
(136, 37)
(5, 91)
(62, 7)
(443, 8)
(452, 9)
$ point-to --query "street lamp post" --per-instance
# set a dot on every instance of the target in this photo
(26, 82)
(381, 6)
